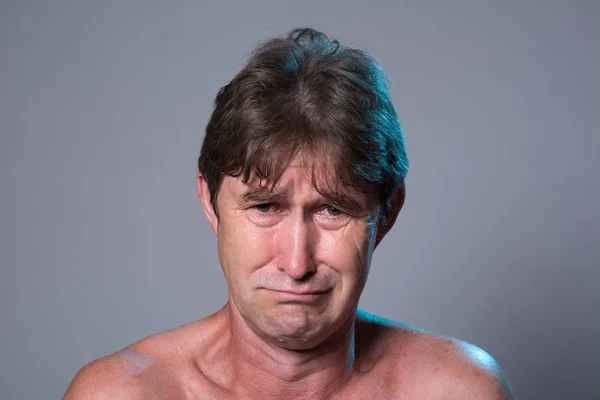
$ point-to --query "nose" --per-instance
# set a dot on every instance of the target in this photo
(297, 240)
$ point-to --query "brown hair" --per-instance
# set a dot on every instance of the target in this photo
(306, 93)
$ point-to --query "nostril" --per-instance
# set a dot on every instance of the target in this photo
(306, 277)
(300, 275)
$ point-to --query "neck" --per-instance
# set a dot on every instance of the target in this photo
(266, 371)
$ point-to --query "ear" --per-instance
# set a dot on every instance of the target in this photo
(204, 196)
(397, 203)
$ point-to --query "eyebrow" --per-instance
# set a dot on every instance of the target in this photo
(262, 195)
(344, 201)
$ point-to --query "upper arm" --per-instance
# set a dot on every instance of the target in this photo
(102, 379)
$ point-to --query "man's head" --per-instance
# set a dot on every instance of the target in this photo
(306, 93)
(301, 174)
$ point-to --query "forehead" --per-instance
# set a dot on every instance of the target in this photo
(317, 175)
(301, 169)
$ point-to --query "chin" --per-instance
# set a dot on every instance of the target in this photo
(296, 345)
(296, 331)
(293, 341)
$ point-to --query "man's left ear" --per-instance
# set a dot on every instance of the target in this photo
(397, 202)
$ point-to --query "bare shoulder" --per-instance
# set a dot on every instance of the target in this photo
(441, 366)
(110, 377)
(461, 370)
(154, 367)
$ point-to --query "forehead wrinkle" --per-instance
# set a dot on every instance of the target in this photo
(264, 189)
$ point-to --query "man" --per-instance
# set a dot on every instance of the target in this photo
(301, 175)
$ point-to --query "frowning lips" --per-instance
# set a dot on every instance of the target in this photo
(300, 292)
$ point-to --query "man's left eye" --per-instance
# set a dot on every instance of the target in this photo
(333, 211)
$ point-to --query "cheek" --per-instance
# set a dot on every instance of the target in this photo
(348, 250)
(243, 247)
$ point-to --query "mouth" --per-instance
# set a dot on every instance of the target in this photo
(299, 295)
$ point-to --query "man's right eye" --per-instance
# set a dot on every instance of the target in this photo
(265, 207)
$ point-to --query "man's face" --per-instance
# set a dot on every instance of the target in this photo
(295, 263)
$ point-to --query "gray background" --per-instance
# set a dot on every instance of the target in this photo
(102, 240)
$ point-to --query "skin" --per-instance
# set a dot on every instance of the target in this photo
(296, 264)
